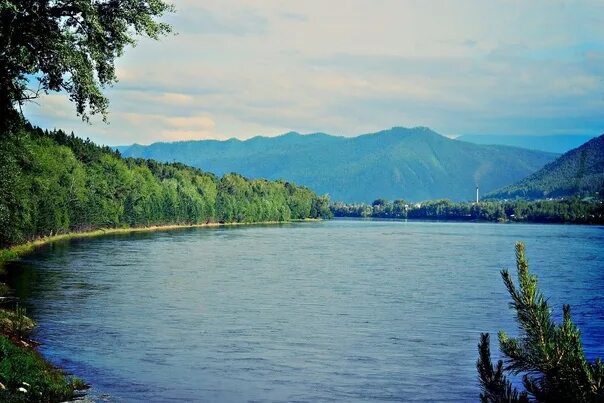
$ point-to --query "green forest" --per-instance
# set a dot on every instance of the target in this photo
(54, 183)
(571, 210)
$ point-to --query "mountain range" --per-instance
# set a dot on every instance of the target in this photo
(400, 163)
(579, 172)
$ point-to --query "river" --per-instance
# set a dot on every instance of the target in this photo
(342, 310)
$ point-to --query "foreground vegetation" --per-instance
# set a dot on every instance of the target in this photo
(55, 183)
(572, 210)
(548, 356)
(68, 46)
(24, 375)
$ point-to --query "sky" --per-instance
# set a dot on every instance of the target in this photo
(241, 68)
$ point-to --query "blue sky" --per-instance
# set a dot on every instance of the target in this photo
(243, 68)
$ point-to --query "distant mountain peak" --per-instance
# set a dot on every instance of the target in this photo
(416, 129)
(422, 131)
(397, 163)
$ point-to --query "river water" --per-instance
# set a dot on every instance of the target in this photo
(340, 310)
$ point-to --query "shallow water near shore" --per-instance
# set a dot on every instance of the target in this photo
(339, 310)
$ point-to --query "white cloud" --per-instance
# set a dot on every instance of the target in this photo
(350, 66)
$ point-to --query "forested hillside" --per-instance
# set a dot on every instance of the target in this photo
(52, 183)
(579, 172)
(413, 164)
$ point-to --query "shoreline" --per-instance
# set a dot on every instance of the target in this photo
(470, 221)
(16, 251)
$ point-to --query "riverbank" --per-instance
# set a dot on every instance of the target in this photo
(25, 376)
(17, 251)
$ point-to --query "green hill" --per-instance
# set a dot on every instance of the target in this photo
(579, 172)
(413, 164)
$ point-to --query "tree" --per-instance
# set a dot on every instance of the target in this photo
(549, 356)
(68, 45)
(379, 202)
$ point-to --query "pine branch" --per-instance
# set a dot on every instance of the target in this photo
(495, 386)
(550, 356)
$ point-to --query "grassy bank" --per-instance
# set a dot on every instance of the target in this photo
(16, 251)
(26, 377)
(24, 374)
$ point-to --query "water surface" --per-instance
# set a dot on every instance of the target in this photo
(331, 311)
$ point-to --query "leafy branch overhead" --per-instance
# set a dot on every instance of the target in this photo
(71, 46)
(548, 356)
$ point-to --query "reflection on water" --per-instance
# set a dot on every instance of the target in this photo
(341, 310)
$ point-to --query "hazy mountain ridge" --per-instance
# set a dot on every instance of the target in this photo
(413, 164)
(553, 143)
(576, 173)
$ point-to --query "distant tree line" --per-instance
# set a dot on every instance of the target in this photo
(570, 210)
(52, 182)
